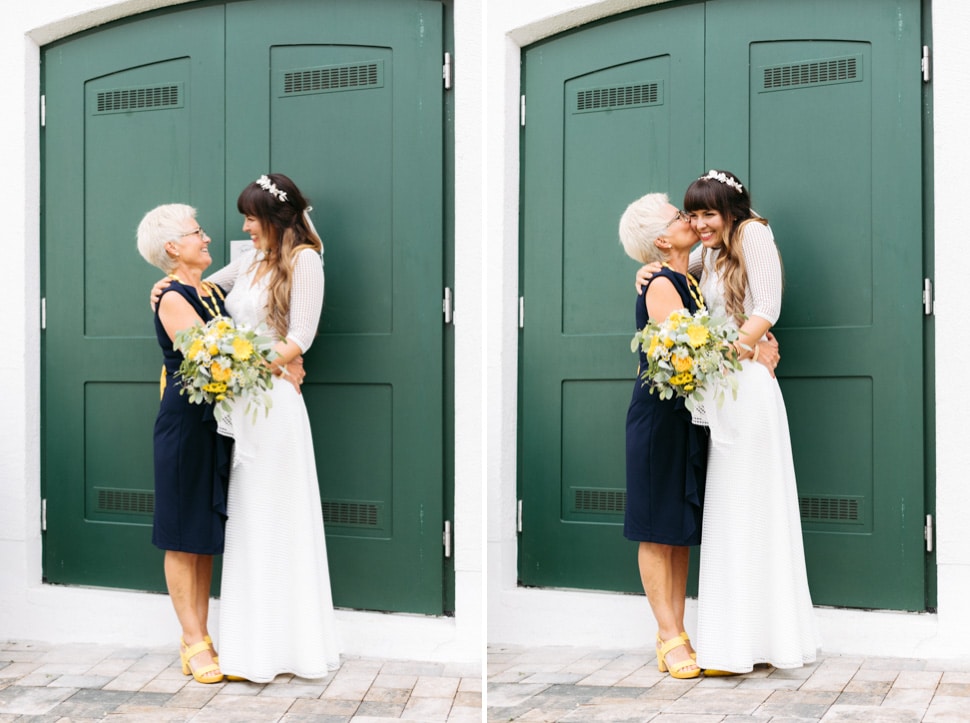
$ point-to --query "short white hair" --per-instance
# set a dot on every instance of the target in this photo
(159, 226)
(643, 222)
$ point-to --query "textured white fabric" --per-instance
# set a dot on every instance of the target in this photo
(276, 614)
(754, 604)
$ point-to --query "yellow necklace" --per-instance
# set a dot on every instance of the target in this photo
(692, 286)
(211, 290)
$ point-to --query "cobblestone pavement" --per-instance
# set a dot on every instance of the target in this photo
(586, 685)
(82, 683)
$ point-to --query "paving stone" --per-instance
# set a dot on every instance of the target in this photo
(23, 700)
(868, 714)
(93, 703)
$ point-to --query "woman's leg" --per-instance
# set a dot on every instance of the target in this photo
(656, 563)
(679, 565)
(203, 589)
(182, 578)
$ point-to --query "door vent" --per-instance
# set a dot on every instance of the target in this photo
(599, 500)
(812, 73)
(125, 100)
(346, 513)
(333, 78)
(830, 509)
(623, 96)
(137, 502)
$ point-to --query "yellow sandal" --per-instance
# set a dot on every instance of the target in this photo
(676, 669)
(205, 674)
(215, 658)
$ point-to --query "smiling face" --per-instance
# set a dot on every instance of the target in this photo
(192, 248)
(679, 234)
(709, 225)
(254, 228)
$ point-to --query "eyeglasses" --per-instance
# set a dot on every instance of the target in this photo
(193, 233)
(681, 216)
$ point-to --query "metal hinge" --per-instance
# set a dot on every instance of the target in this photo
(43, 111)
(518, 517)
(43, 514)
(446, 538)
(446, 71)
(43, 313)
(927, 297)
(521, 312)
(925, 64)
(928, 533)
(446, 307)
(522, 111)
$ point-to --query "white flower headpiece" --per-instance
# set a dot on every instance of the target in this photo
(270, 187)
(723, 178)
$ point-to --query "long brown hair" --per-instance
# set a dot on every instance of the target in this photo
(278, 205)
(730, 199)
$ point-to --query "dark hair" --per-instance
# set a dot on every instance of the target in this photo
(711, 194)
(730, 199)
(278, 205)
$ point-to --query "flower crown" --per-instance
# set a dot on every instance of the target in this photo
(723, 178)
(270, 187)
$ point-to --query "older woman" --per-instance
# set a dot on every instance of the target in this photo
(191, 458)
(665, 454)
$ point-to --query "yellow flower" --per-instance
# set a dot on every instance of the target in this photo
(682, 379)
(675, 318)
(682, 363)
(215, 387)
(213, 350)
(654, 343)
(241, 349)
(222, 326)
(668, 342)
(697, 335)
(220, 373)
(195, 351)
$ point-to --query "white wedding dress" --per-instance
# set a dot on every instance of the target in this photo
(276, 612)
(754, 604)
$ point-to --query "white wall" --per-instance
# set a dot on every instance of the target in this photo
(31, 610)
(539, 617)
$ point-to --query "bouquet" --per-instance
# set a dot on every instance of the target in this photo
(688, 354)
(222, 361)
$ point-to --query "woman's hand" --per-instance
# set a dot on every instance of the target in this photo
(293, 372)
(645, 274)
(157, 289)
(768, 353)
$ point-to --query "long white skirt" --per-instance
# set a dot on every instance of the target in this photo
(754, 604)
(276, 611)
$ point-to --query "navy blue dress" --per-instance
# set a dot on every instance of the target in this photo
(191, 458)
(666, 455)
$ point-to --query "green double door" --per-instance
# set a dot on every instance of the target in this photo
(816, 105)
(190, 106)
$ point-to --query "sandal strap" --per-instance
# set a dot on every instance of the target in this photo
(677, 667)
(672, 644)
(204, 671)
(192, 651)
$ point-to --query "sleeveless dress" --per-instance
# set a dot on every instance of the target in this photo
(276, 612)
(666, 455)
(191, 458)
(754, 604)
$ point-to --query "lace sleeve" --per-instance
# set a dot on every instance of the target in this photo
(306, 298)
(227, 275)
(763, 267)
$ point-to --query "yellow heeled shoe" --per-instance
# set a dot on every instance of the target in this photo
(215, 658)
(207, 673)
(683, 634)
(715, 673)
(676, 669)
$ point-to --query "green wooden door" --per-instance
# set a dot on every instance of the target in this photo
(344, 97)
(610, 112)
(816, 105)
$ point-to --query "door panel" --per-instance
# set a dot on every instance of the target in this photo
(816, 106)
(832, 155)
(610, 115)
(133, 121)
(192, 105)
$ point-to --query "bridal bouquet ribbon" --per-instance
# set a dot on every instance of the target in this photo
(689, 355)
(223, 362)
